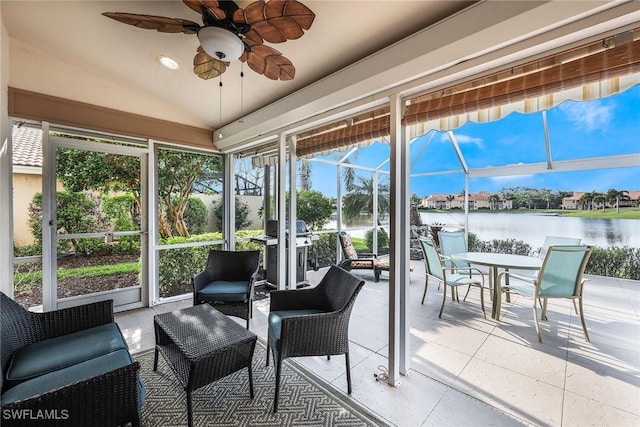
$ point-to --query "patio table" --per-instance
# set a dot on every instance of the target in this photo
(495, 261)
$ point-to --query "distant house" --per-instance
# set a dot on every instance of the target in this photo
(27, 179)
(634, 200)
(572, 202)
(436, 201)
(476, 201)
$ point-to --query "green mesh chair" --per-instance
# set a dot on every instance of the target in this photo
(434, 268)
(561, 276)
(452, 242)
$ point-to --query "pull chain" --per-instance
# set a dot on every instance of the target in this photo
(241, 93)
(220, 109)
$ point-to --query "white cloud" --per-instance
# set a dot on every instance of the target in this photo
(511, 178)
(587, 115)
(464, 139)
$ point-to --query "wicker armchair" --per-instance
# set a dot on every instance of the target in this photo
(312, 322)
(227, 282)
(108, 399)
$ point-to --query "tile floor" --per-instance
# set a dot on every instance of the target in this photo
(466, 370)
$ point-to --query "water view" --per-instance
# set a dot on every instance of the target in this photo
(532, 228)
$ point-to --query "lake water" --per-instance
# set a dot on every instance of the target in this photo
(533, 228)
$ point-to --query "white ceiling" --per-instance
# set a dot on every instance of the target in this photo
(75, 32)
(68, 49)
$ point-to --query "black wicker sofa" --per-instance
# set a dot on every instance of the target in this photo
(68, 367)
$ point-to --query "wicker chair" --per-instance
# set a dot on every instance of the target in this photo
(227, 282)
(108, 399)
(312, 322)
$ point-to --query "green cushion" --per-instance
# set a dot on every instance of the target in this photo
(57, 353)
(223, 290)
(275, 319)
(69, 375)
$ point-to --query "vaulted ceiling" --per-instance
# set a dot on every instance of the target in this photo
(352, 58)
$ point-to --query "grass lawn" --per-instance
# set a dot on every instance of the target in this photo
(95, 271)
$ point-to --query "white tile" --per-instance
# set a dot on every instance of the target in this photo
(542, 362)
(581, 411)
(458, 409)
(532, 400)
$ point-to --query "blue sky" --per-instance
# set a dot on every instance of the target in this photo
(610, 126)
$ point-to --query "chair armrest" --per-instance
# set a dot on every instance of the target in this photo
(200, 280)
(366, 255)
(112, 398)
(471, 270)
(294, 299)
(68, 320)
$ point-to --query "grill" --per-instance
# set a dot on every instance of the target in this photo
(304, 240)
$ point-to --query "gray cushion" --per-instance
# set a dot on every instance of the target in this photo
(57, 353)
(69, 375)
(223, 290)
(275, 319)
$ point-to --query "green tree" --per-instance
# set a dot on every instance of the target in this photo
(178, 174)
(450, 198)
(360, 199)
(614, 197)
(313, 208)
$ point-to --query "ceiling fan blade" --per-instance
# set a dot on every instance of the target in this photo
(212, 5)
(207, 67)
(160, 23)
(269, 62)
(278, 20)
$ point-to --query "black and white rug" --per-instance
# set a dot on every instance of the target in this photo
(304, 400)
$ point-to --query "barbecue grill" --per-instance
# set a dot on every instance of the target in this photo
(304, 240)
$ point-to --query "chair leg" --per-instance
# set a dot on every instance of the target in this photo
(535, 318)
(424, 294)
(484, 313)
(346, 358)
(465, 295)
(376, 275)
(544, 309)
(278, 369)
(584, 325)
(250, 368)
(444, 298)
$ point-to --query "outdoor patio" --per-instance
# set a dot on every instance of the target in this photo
(469, 371)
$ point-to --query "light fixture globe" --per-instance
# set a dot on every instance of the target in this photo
(220, 43)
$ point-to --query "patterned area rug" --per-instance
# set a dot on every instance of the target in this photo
(304, 400)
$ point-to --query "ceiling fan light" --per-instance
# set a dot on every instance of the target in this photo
(169, 62)
(220, 43)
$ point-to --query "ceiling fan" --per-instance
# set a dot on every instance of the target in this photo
(230, 33)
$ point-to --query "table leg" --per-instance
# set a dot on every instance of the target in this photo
(251, 380)
(493, 280)
(155, 360)
(189, 410)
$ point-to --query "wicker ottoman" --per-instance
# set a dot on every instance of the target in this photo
(202, 345)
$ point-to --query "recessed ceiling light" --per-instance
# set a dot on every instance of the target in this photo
(169, 62)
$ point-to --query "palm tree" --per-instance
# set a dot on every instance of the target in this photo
(614, 196)
(360, 199)
(450, 198)
(305, 174)
(493, 201)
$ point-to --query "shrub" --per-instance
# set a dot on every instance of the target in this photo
(196, 215)
(383, 240)
(242, 214)
(325, 249)
(75, 212)
(620, 262)
(122, 212)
